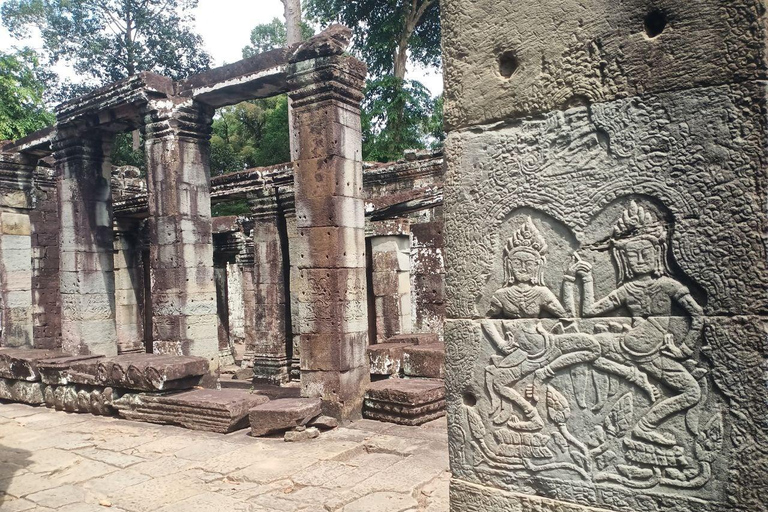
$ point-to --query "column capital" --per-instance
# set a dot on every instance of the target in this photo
(168, 118)
(336, 77)
(263, 204)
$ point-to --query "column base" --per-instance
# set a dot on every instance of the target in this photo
(270, 370)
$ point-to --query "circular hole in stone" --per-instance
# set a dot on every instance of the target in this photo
(655, 23)
(469, 399)
(508, 63)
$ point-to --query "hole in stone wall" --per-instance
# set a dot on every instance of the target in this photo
(655, 23)
(469, 399)
(508, 63)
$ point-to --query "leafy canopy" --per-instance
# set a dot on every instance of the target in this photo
(106, 40)
(22, 84)
(272, 35)
(380, 25)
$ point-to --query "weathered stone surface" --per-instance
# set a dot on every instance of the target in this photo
(405, 401)
(224, 410)
(282, 414)
(301, 434)
(69, 369)
(324, 422)
(22, 391)
(424, 361)
(151, 372)
(22, 364)
(423, 338)
(411, 392)
(81, 398)
(386, 358)
(516, 59)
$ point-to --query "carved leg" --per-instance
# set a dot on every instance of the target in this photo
(579, 383)
(532, 417)
(630, 373)
(602, 383)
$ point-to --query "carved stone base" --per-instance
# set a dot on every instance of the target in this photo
(270, 370)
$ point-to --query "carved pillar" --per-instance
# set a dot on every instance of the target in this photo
(269, 346)
(605, 222)
(86, 248)
(330, 289)
(16, 309)
(181, 247)
(129, 287)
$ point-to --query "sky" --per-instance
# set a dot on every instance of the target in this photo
(225, 26)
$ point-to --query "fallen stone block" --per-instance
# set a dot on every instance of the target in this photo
(81, 398)
(424, 361)
(283, 414)
(405, 401)
(386, 358)
(22, 391)
(151, 372)
(214, 410)
(324, 422)
(301, 434)
(69, 370)
(21, 363)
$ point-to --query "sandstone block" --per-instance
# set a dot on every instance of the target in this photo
(151, 372)
(386, 358)
(405, 401)
(424, 361)
(22, 364)
(70, 369)
(301, 434)
(283, 414)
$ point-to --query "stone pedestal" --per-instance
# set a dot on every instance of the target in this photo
(330, 288)
(87, 281)
(606, 262)
(181, 252)
(269, 347)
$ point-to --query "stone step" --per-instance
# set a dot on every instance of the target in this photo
(283, 414)
(405, 401)
(421, 338)
(411, 360)
(69, 370)
(214, 410)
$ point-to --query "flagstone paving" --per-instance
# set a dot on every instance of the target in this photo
(66, 462)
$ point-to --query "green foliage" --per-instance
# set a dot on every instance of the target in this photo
(106, 40)
(397, 115)
(379, 26)
(239, 207)
(124, 154)
(250, 134)
(272, 35)
(22, 84)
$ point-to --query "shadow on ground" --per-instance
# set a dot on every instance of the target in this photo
(12, 461)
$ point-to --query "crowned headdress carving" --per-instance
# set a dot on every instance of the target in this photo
(527, 238)
(636, 223)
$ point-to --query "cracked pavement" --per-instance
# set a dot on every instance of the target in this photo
(69, 462)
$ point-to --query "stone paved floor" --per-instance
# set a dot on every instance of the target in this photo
(81, 463)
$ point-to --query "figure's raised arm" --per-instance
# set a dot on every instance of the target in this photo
(604, 305)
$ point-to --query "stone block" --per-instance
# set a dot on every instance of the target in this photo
(320, 134)
(15, 224)
(283, 414)
(421, 338)
(22, 391)
(339, 211)
(519, 59)
(386, 358)
(332, 176)
(385, 283)
(329, 247)
(22, 364)
(342, 392)
(331, 317)
(69, 369)
(214, 410)
(326, 284)
(424, 361)
(405, 401)
(151, 372)
(333, 352)
(301, 434)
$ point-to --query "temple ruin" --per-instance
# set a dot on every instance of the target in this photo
(114, 284)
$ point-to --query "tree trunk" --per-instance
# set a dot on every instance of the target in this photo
(292, 11)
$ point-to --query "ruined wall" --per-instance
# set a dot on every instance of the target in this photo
(605, 241)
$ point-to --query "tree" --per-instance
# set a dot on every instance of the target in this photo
(387, 32)
(22, 84)
(293, 29)
(107, 40)
(269, 36)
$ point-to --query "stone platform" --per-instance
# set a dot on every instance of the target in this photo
(283, 414)
(405, 401)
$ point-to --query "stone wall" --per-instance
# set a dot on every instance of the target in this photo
(605, 226)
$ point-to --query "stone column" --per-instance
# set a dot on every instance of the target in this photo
(46, 297)
(16, 324)
(86, 242)
(181, 247)
(269, 351)
(605, 221)
(391, 278)
(330, 290)
(129, 288)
